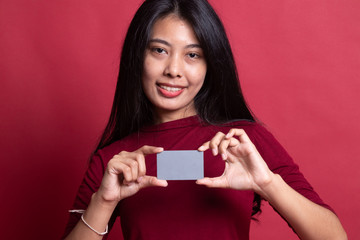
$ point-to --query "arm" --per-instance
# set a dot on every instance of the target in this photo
(246, 170)
(123, 177)
(309, 220)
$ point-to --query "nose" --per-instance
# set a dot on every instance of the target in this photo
(174, 67)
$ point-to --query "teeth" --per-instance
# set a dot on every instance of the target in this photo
(170, 89)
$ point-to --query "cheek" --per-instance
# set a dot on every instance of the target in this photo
(146, 76)
(198, 75)
(146, 69)
(152, 69)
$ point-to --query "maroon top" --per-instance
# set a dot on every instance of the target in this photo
(185, 210)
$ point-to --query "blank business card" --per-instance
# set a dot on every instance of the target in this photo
(180, 165)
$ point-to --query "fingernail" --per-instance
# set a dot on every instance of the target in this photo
(215, 151)
(201, 148)
(224, 156)
(139, 179)
(165, 184)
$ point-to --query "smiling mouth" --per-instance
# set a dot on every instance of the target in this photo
(170, 89)
(170, 92)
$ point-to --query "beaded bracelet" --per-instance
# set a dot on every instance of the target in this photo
(98, 233)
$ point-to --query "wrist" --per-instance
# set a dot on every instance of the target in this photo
(98, 199)
(271, 186)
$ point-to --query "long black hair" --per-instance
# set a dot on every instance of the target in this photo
(219, 100)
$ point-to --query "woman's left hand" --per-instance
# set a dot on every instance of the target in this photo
(245, 169)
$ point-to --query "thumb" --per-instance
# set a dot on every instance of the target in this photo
(150, 181)
(216, 182)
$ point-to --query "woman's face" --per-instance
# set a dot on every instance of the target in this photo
(174, 69)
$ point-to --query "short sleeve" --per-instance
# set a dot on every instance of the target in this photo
(90, 184)
(280, 162)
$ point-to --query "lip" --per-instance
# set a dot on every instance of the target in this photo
(169, 91)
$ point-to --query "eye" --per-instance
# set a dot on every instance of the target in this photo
(158, 50)
(193, 55)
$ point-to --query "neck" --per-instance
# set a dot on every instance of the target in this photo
(162, 117)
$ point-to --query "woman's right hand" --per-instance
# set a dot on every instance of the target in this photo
(125, 175)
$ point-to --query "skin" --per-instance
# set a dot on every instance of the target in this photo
(245, 169)
(174, 59)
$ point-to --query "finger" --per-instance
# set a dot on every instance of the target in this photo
(141, 164)
(216, 182)
(240, 133)
(223, 148)
(233, 142)
(130, 161)
(137, 162)
(134, 166)
(140, 157)
(204, 147)
(146, 150)
(234, 132)
(121, 168)
(150, 181)
(215, 141)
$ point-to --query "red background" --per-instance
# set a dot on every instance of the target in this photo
(299, 67)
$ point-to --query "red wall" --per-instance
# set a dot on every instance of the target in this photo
(298, 62)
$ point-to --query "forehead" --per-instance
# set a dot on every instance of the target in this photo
(175, 29)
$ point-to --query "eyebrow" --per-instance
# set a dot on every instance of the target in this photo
(157, 40)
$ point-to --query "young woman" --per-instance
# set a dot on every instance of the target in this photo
(178, 90)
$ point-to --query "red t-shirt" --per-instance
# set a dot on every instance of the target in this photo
(185, 210)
